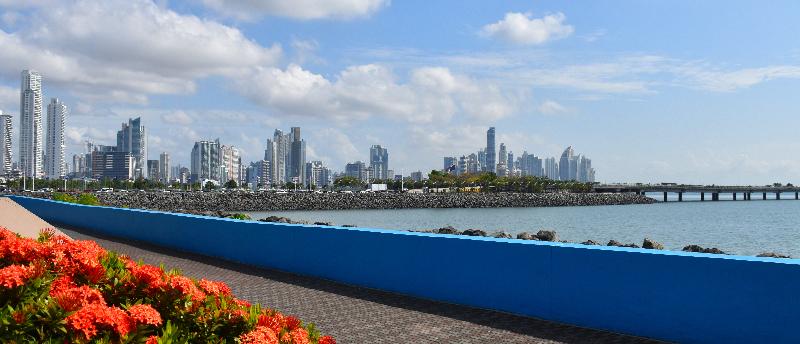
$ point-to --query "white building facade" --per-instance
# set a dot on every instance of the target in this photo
(55, 162)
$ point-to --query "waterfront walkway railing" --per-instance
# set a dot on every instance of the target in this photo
(673, 296)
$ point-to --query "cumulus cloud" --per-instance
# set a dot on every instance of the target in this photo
(123, 51)
(79, 135)
(177, 117)
(359, 92)
(9, 99)
(550, 107)
(298, 9)
(522, 28)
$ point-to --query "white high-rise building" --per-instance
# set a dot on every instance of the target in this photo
(277, 153)
(205, 161)
(132, 137)
(164, 168)
(55, 162)
(31, 140)
(5, 144)
(232, 163)
(551, 168)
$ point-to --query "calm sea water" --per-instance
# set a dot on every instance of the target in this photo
(741, 227)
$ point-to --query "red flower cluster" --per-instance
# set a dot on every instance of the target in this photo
(13, 276)
(100, 294)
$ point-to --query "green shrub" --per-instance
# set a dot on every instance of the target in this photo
(88, 199)
(64, 197)
(240, 216)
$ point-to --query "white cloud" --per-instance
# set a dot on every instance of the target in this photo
(298, 9)
(123, 51)
(551, 107)
(344, 150)
(359, 92)
(717, 80)
(177, 117)
(9, 99)
(79, 135)
(522, 28)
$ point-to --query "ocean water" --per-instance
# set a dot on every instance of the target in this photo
(738, 227)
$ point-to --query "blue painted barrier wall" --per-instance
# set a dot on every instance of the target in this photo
(674, 296)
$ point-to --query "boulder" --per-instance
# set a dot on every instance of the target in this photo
(448, 230)
(700, 249)
(474, 232)
(772, 255)
(713, 250)
(502, 235)
(652, 244)
(319, 223)
(693, 248)
(619, 244)
(547, 235)
(590, 242)
(526, 236)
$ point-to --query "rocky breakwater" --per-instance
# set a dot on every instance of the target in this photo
(265, 201)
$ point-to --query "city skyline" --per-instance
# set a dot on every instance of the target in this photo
(546, 75)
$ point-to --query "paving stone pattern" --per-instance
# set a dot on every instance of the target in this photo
(360, 315)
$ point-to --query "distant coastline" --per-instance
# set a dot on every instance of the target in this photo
(241, 201)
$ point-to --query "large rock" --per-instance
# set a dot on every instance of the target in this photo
(590, 242)
(526, 236)
(619, 244)
(772, 255)
(502, 235)
(700, 249)
(448, 230)
(474, 232)
(652, 244)
(547, 235)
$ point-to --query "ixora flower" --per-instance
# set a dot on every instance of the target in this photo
(260, 335)
(93, 317)
(144, 314)
(13, 276)
(85, 293)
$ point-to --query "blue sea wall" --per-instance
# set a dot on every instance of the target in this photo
(673, 296)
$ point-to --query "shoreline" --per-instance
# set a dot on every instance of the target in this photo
(241, 201)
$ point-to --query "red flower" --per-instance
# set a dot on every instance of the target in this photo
(77, 257)
(20, 250)
(259, 335)
(326, 340)
(18, 316)
(151, 340)
(186, 286)
(152, 277)
(299, 336)
(72, 299)
(274, 322)
(88, 319)
(292, 323)
(13, 276)
(214, 288)
(145, 314)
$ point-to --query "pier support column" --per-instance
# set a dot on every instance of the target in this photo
(777, 195)
(665, 196)
(797, 195)
(764, 196)
(747, 196)
(680, 196)
(715, 196)
(734, 196)
(702, 196)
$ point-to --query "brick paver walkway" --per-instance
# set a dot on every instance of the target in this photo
(360, 315)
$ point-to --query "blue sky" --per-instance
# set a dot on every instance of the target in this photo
(683, 91)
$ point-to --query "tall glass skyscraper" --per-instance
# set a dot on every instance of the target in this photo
(5, 144)
(55, 163)
(297, 157)
(565, 170)
(379, 161)
(31, 140)
(133, 138)
(491, 155)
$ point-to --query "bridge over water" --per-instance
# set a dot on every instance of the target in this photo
(746, 192)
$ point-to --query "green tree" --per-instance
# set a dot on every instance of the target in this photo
(231, 184)
(210, 185)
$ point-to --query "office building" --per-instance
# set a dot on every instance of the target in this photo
(564, 165)
(450, 165)
(277, 153)
(153, 169)
(164, 171)
(491, 155)
(551, 168)
(111, 164)
(317, 175)
(6, 158)
(357, 170)
(502, 164)
(531, 165)
(132, 137)
(55, 162)
(205, 161)
(417, 176)
(31, 139)
(231, 164)
(379, 162)
(297, 157)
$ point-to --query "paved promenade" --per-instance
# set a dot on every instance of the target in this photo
(360, 315)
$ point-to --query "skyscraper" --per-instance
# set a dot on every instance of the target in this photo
(502, 164)
(133, 138)
(277, 153)
(357, 170)
(55, 162)
(449, 163)
(5, 144)
(164, 171)
(565, 171)
(491, 155)
(31, 140)
(205, 161)
(379, 162)
(232, 163)
(153, 168)
(297, 157)
(551, 168)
